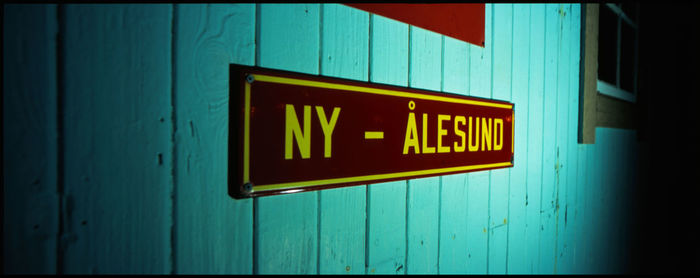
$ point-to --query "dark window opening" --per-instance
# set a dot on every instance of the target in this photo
(607, 46)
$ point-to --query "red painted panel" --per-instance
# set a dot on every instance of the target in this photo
(266, 153)
(460, 21)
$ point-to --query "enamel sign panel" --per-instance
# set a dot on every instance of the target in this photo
(291, 132)
(462, 21)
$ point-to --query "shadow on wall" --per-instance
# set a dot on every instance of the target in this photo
(666, 238)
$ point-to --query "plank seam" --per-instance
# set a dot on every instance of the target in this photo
(527, 130)
(442, 89)
(408, 184)
(256, 246)
(488, 222)
(369, 47)
(257, 34)
(173, 119)
(544, 85)
(367, 189)
(60, 144)
(512, 54)
(405, 259)
(439, 221)
(556, 142)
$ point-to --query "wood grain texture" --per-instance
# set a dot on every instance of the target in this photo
(616, 113)
(601, 229)
(517, 203)
(453, 251)
(478, 183)
(535, 136)
(477, 222)
(562, 167)
(453, 198)
(425, 72)
(589, 207)
(579, 212)
(422, 226)
(117, 130)
(573, 39)
(386, 202)
(500, 179)
(590, 74)
(597, 201)
(345, 54)
(549, 131)
(29, 109)
(611, 225)
(286, 226)
(455, 66)
(214, 232)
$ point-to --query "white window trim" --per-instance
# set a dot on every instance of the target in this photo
(613, 91)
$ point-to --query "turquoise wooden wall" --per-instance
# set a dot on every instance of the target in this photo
(115, 146)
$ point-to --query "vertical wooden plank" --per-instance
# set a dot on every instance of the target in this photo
(455, 66)
(549, 150)
(386, 202)
(594, 209)
(598, 198)
(423, 198)
(30, 202)
(591, 194)
(614, 183)
(600, 217)
(422, 226)
(535, 138)
(344, 46)
(579, 213)
(478, 183)
(562, 130)
(616, 202)
(574, 40)
(596, 193)
(453, 227)
(629, 195)
(500, 179)
(214, 232)
(622, 195)
(453, 198)
(612, 204)
(117, 132)
(425, 62)
(286, 226)
(605, 226)
(609, 224)
(517, 209)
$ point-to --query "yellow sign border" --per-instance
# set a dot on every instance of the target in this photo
(320, 84)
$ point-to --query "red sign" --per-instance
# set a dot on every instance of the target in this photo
(465, 22)
(292, 132)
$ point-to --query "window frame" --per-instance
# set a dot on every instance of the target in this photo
(602, 104)
(615, 90)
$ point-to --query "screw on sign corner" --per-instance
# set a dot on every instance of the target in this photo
(248, 188)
